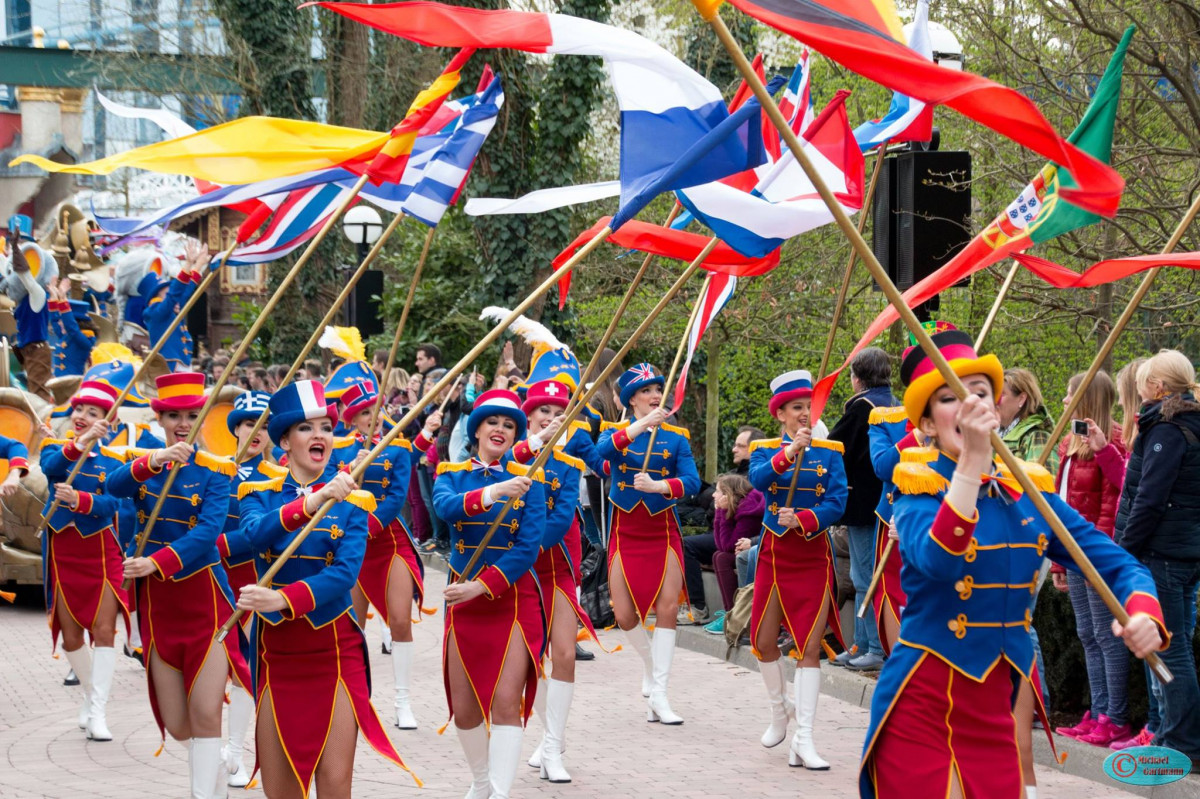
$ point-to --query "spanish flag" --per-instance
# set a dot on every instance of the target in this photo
(264, 148)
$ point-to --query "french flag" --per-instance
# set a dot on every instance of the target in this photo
(716, 294)
(907, 119)
(666, 107)
(757, 211)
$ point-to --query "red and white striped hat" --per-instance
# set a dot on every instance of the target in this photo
(93, 392)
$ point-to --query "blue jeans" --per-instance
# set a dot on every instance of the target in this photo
(745, 564)
(1106, 657)
(590, 531)
(862, 566)
(1177, 581)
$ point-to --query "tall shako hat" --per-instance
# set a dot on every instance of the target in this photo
(247, 405)
(921, 378)
(546, 392)
(496, 402)
(637, 377)
(793, 385)
(297, 402)
(117, 373)
(358, 398)
(346, 375)
(93, 392)
(178, 391)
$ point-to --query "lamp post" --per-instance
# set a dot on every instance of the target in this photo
(363, 226)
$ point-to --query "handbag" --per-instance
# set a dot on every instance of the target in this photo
(738, 617)
(594, 595)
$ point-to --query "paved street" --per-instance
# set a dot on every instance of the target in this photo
(612, 751)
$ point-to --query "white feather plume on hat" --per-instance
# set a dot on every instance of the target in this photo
(534, 333)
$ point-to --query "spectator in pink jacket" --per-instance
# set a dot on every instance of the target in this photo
(737, 514)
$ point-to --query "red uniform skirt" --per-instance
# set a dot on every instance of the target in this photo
(557, 578)
(82, 569)
(240, 576)
(943, 722)
(644, 543)
(801, 573)
(303, 668)
(482, 628)
(889, 598)
(178, 620)
(373, 577)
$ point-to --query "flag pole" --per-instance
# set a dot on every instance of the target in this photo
(876, 576)
(338, 302)
(1107, 347)
(991, 317)
(611, 330)
(585, 394)
(408, 301)
(447, 379)
(683, 341)
(709, 13)
(236, 357)
(845, 289)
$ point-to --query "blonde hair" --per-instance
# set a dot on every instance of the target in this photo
(1022, 381)
(1127, 396)
(1095, 404)
(736, 487)
(1171, 369)
(396, 380)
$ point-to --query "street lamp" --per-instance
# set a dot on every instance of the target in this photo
(363, 226)
(947, 50)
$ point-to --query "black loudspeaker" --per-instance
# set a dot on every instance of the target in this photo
(921, 213)
(366, 311)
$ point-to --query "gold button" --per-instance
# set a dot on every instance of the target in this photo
(960, 586)
(953, 625)
(960, 532)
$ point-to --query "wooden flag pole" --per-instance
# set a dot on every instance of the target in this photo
(338, 302)
(880, 156)
(913, 324)
(139, 373)
(236, 357)
(447, 379)
(586, 394)
(876, 576)
(668, 384)
(995, 309)
(1105, 349)
(408, 301)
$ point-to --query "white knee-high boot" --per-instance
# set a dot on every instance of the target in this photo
(402, 660)
(558, 705)
(663, 648)
(539, 708)
(241, 713)
(81, 663)
(209, 776)
(474, 743)
(808, 689)
(386, 632)
(641, 644)
(772, 677)
(104, 662)
(504, 753)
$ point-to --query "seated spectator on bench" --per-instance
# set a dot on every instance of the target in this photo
(737, 512)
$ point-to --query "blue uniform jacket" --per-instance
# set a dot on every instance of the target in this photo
(72, 347)
(458, 500)
(160, 313)
(317, 579)
(97, 510)
(820, 496)
(386, 478)
(231, 543)
(184, 538)
(32, 326)
(671, 460)
(889, 436)
(16, 453)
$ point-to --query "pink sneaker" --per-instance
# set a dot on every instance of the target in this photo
(1105, 732)
(1085, 725)
(1143, 738)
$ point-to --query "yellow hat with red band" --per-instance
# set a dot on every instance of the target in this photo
(178, 391)
(921, 377)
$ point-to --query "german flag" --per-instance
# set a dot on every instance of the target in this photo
(864, 36)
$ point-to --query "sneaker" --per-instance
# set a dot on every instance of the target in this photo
(717, 625)
(429, 545)
(1105, 732)
(693, 615)
(1143, 738)
(842, 659)
(1085, 725)
(869, 661)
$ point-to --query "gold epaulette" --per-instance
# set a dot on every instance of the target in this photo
(606, 425)
(247, 488)
(272, 470)
(521, 470)
(887, 415)
(216, 463)
(343, 441)
(918, 455)
(918, 478)
(1040, 475)
(54, 442)
(570, 460)
(683, 431)
(362, 499)
(582, 424)
(402, 443)
(133, 453)
(117, 454)
(766, 443)
(826, 443)
(451, 466)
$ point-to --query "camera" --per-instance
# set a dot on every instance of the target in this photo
(1079, 427)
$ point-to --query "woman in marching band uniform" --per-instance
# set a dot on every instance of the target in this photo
(81, 556)
(942, 719)
(645, 554)
(392, 574)
(495, 626)
(311, 675)
(890, 434)
(794, 583)
(182, 595)
(544, 406)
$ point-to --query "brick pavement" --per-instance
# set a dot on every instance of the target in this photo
(612, 751)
